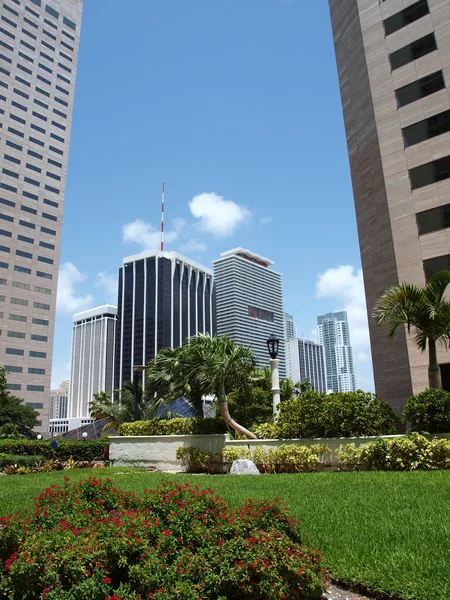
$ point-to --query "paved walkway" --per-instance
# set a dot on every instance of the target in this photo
(335, 593)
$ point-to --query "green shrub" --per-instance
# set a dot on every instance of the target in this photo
(429, 412)
(20, 460)
(178, 426)
(173, 542)
(231, 453)
(409, 453)
(195, 460)
(346, 414)
(95, 450)
(266, 431)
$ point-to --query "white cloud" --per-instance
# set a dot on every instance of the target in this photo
(193, 246)
(265, 220)
(144, 234)
(68, 299)
(217, 215)
(108, 285)
(60, 373)
(346, 286)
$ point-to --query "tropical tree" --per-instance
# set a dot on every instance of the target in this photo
(14, 412)
(422, 310)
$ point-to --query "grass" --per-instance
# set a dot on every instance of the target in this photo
(388, 531)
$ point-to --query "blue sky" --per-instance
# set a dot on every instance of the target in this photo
(235, 105)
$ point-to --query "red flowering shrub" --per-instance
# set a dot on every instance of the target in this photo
(91, 541)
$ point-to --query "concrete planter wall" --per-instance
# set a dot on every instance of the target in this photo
(159, 451)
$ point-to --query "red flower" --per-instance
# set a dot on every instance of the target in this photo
(166, 532)
(107, 580)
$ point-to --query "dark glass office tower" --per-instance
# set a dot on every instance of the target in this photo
(164, 298)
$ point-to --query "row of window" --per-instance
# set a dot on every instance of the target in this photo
(23, 254)
(37, 102)
(21, 335)
(49, 10)
(54, 13)
(21, 352)
(24, 319)
(22, 302)
(30, 388)
(27, 83)
(42, 66)
(406, 16)
(16, 175)
(31, 370)
(26, 286)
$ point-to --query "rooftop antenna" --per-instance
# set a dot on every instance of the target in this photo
(162, 219)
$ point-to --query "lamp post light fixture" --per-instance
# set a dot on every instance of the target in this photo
(39, 437)
(272, 345)
(136, 369)
(84, 434)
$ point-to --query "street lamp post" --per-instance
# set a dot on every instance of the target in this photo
(136, 369)
(272, 345)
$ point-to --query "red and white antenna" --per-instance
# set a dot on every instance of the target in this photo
(162, 219)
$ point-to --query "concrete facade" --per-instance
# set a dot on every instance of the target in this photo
(58, 401)
(38, 64)
(373, 39)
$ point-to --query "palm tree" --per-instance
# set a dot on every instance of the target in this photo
(422, 309)
(220, 365)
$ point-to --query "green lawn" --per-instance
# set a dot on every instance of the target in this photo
(388, 531)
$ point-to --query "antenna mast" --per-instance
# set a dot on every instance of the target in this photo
(162, 219)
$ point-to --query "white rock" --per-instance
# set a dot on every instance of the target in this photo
(243, 466)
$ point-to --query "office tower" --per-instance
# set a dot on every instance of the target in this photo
(306, 360)
(164, 299)
(38, 61)
(250, 302)
(334, 335)
(92, 359)
(58, 401)
(290, 330)
(393, 61)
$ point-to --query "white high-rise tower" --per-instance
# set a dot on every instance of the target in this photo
(334, 335)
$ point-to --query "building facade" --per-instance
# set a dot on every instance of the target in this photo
(393, 59)
(164, 299)
(290, 330)
(59, 401)
(334, 335)
(92, 358)
(38, 63)
(250, 302)
(306, 360)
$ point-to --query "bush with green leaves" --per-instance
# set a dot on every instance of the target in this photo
(93, 450)
(20, 460)
(177, 426)
(92, 541)
(429, 411)
(408, 453)
(195, 460)
(343, 414)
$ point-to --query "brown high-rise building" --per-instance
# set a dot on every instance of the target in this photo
(38, 62)
(393, 59)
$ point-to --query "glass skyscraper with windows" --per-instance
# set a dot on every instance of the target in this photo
(306, 360)
(39, 42)
(164, 298)
(334, 335)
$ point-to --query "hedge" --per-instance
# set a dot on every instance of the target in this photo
(429, 411)
(179, 426)
(20, 460)
(95, 450)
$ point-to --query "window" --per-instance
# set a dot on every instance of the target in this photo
(6, 32)
(47, 57)
(36, 101)
(33, 211)
(413, 51)
(32, 23)
(69, 23)
(14, 386)
(50, 35)
(62, 90)
(3, 281)
(433, 265)
(22, 270)
(49, 231)
(29, 34)
(27, 224)
(18, 318)
(35, 354)
(36, 141)
(42, 290)
(56, 150)
(15, 132)
(43, 259)
(39, 116)
(35, 388)
(56, 124)
(55, 163)
(8, 60)
(44, 275)
(47, 245)
(51, 11)
(40, 322)
(7, 46)
(13, 145)
(18, 119)
(33, 168)
(41, 306)
(5, 249)
(64, 68)
(59, 76)
(53, 176)
(49, 46)
(7, 202)
(28, 240)
(32, 181)
(30, 195)
(35, 405)
(12, 159)
(27, 45)
(61, 114)
(47, 81)
(12, 369)
(26, 57)
(437, 170)
(23, 254)
(426, 129)
(6, 218)
(15, 351)
(63, 102)
(45, 68)
(57, 137)
(35, 154)
(10, 173)
(43, 92)
(51, 217)
(68, 35)
(11, 10)
(9, 21)
(34, 371)
(37, 2)
(39, 338)
(7, 187)
(19, 106)
(259, 313)
(32, 12)
(5, 233)
(37, 128)
(434, 219)
(51, 203)
(25, 69)
(65, 55)
(19, 284)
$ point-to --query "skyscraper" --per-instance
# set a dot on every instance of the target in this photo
(250, 302)
(334, 335)
(164, 298)
(290, 330)
(58, 401)
(38, 62)
(393, 61)
(306, 360)
(92, 359)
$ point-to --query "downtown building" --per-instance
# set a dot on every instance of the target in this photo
(38, 63)
(393, 61)
(334, 335)
(290, 330)
(92, 357)
(164, 299)
(250, 302)
(306, 360)
(59, 401)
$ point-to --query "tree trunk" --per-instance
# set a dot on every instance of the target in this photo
(223, 408)
(434, 372)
